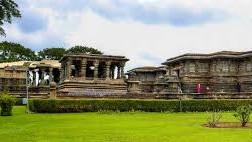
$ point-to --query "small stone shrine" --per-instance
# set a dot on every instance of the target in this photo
(92, 75)
(146, 79)
(37, 75)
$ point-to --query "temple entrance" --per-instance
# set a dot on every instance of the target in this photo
(112, 71)
(56, 75)
(75, 68)
(102, 70)
(90, 70)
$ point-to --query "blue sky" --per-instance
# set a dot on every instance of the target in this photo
(146, 31)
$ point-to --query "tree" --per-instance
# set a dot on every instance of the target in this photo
(243, 114)
(8, 10)
(83, 49)
(214, 118)
(51, 53)
(10, 52)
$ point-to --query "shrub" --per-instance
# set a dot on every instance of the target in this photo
(214, 118)
(95, 105)
(6, 102)
(19, 102)
(243, 114)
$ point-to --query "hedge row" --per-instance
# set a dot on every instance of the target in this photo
(19, 102)
(60, 106)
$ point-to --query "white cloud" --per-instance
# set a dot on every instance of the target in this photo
(145, 44)
(162, 41)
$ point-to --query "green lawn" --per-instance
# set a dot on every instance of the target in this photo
(138, 127)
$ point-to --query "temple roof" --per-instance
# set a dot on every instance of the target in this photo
(6, 64)
(95, 56)
(31, 64)
(49, 63)
(147, 69)
(221, 54)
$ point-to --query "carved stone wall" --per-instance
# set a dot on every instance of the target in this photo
(149, 79)
(217, 74)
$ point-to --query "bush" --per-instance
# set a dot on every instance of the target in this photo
(6, 103)
(214, 118)
(95, 105)
(19, 102)
(52, 106)
(243, 114)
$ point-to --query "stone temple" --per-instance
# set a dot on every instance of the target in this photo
(90, 74)
(224, 71)
(37, 75)
(220, 72)
(146, 79)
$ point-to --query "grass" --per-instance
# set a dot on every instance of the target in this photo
(117, 127)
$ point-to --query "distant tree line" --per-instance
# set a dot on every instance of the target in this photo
(10, 52)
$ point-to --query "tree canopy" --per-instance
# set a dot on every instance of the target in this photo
(8, 10)
(53, 53)
(10, 52)
(83, 49)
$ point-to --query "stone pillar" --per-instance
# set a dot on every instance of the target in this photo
(186, 67)
(122, 70)
(83, 68)
(50, 75)
(53, 93)
(42, 82)
(68, 69)
(108, 70)
(104, 72)
(196, 66)
(182, 68)
(96, 65)
(14, 73)
(112, 72)
(65, 71)
(61, 71)
(214, 65)
(34, 73)
(118, 72)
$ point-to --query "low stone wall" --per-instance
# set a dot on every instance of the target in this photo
(33, 92)
(245, 95)
(114, 95)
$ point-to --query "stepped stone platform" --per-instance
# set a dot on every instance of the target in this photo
(93, 93)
